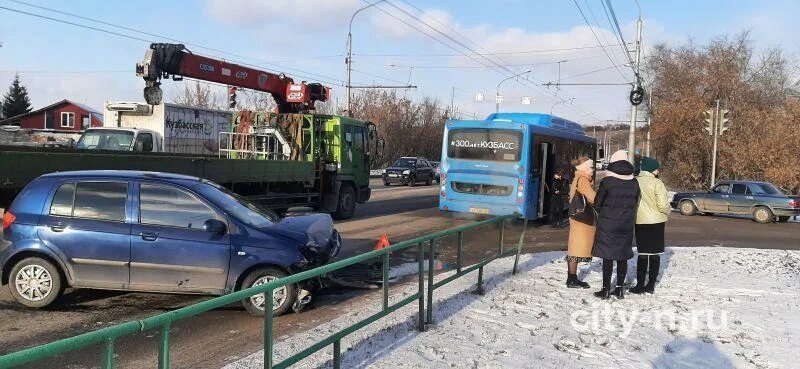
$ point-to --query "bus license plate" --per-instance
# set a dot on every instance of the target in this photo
(392, 175)
(479, 210)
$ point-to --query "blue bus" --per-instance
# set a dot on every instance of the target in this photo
(497, 166)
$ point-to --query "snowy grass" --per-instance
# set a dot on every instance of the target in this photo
(713, 308)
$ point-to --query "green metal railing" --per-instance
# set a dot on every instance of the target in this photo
(163, 322)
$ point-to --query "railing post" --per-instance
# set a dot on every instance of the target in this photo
(386, 281)
(268, 321)
(502, 235)
(519, 245)
(337, 354)
(479, 290)
(432, 254)
(421, 292)
(163, 352)
(459, 259)
(108, 354)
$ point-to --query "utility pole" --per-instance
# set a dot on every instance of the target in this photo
(636, 86)
(452, 102)
(348, 61)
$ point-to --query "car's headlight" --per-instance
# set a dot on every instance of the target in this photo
(383, 171)
(406, 172)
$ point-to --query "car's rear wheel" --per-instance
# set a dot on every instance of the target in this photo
(282, 298)
(687, 208)
(35, 282)
(763, 215)
(429, 181)
(783, 219)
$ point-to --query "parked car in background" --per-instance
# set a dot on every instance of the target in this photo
(409, 170)
(153, 232)
(763, 201)
(437, 171)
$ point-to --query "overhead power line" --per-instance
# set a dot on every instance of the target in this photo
(536, 51)
(298, 72)
(586, 20)
(612, 20)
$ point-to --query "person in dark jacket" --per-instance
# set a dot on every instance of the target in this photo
(616, 205)
(557, 193)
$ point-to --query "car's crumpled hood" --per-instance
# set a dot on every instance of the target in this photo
(307, 228)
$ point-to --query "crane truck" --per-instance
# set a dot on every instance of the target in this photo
(287, 158)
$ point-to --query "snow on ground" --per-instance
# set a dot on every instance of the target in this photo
(713, 308)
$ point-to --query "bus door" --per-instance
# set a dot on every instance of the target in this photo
(541, 167)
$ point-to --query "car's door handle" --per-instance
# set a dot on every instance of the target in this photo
(57, 227)
(147, 236)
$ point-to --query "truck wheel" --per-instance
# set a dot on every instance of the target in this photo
(412, 181)
(282, 298)
(347, 203)
(35, 282)
(687, 208)
(783, 219)
(763, 215)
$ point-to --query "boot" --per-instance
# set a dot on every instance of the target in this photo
(604, 294)
(638, 289)
(619, 292)
(650, 287)
(574, 282)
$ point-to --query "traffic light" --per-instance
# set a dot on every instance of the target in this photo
(232, 97)
(709, 118)
(723, 120)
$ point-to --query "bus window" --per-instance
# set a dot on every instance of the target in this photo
(485, 144)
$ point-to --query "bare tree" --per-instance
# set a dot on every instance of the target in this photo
(198, 95)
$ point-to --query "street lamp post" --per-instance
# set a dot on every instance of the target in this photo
(349, 59)
(571, 99)
(497, 95)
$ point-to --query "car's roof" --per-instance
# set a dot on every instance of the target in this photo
(122, 174)
(742, 181)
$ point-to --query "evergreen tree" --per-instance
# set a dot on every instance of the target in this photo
(16, 100)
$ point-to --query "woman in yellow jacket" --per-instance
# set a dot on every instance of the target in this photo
(651, 217)
(581, 235)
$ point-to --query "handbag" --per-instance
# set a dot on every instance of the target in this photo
(581, 211)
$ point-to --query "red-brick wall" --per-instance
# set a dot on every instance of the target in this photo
(37, 120)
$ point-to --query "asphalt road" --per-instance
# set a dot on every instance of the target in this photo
(219, 336)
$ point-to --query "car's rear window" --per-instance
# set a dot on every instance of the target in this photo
(62, 200)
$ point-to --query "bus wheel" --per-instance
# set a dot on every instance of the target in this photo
(347, 203)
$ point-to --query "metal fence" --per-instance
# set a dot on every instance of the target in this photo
(424, 245)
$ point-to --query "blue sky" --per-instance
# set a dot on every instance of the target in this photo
(305, 37)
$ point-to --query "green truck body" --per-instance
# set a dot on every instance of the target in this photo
(329, 171)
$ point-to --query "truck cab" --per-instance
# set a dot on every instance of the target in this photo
(120, 139)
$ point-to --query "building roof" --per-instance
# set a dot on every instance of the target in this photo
(89, 109)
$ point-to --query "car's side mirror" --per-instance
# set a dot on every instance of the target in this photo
(215, 226)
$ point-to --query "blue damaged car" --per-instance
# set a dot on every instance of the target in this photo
(153, 232)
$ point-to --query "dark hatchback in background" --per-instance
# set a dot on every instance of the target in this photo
(153, 232)
(409, 170)
(763, 201)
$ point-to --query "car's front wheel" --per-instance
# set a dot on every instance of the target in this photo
(282, 298)
(412, 181)
(687, 208)
(763, 215)
(35, 282)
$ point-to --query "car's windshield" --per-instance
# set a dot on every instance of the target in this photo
(404, 163)
(238, 207)
(106, 139)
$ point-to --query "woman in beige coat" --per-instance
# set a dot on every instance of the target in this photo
(581, 235)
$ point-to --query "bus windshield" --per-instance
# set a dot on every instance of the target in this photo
(484, 144)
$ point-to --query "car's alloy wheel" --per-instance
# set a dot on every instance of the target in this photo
(33, 283)
(688, 208)
(763, 215)
(279, 296)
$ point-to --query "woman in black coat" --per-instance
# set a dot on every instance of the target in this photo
(616, 204)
